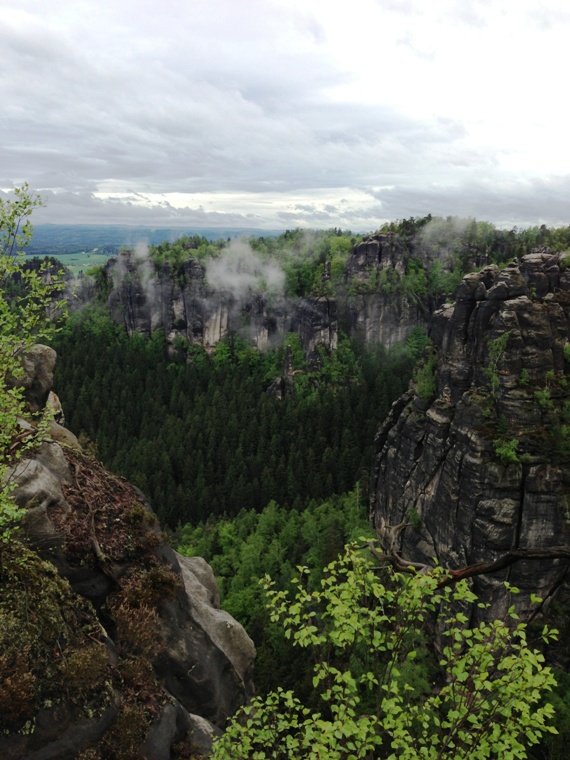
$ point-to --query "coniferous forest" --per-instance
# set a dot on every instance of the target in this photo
(251, 482)
(208, 438)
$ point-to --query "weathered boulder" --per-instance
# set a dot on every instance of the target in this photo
(228, 635)
(38, 365)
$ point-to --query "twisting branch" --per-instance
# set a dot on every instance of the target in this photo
(481, 568)
(402, 565)
(508, 559)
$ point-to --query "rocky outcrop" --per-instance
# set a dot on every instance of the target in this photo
(178, 299)
(381, 251)
(132, 626)
(475, 460)
(315, 321)
(37, 382)
(375, 305)
(370, 304)
(381, 319)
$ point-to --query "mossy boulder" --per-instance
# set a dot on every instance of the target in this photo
(54, 660)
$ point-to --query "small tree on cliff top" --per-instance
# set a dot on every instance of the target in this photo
(369, 627)
(24, 300)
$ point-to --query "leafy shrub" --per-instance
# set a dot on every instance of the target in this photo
(506, 451)
(424, 378)
(364, 625)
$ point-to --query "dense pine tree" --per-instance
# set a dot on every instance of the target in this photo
(206, 438)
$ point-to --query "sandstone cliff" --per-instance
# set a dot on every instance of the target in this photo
(178, 299)
(475, 459)
(112, 645)
(371, 302)
(374, 305)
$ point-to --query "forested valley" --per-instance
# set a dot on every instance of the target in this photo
(254, 480)
(251, 482)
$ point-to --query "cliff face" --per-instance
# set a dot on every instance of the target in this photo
(110, 640)
(476, 458)
(179, 300)
(375, 307)
(371, 303)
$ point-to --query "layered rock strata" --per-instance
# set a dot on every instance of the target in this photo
(475, 460)
(375, 308)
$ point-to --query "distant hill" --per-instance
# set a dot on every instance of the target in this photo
(61, 239)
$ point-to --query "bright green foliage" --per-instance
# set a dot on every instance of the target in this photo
(415, 282)
(365, 624)
(506, 450)
(184, 248)
(274, 541)
(496, 350)
(424, 377)
(303, 253)
(24, 300)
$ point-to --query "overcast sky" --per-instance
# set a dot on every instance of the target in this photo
(286, 113)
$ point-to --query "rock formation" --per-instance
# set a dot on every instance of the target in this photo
(475, 460)
(111, 644)
(370, 304)
(374, 306)
(178, 300)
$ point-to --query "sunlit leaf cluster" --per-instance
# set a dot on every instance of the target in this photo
(366, 624)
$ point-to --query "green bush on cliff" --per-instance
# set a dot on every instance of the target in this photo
(424, 377)
(506, 450)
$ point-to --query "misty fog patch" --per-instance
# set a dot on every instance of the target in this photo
(240, 271)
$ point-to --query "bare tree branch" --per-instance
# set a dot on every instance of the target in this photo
(481, 568)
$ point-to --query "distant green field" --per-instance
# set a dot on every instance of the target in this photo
(82, 260)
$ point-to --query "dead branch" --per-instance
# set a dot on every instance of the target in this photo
(508, 559)
(480, 568)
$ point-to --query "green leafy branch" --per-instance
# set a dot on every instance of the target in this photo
(24, 320)
(364, 624)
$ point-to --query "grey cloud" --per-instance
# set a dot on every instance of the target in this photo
(227, 124)
(227, 97)
(86, 208)
(505, 204)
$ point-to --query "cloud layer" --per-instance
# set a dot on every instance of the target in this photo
(276, 114)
